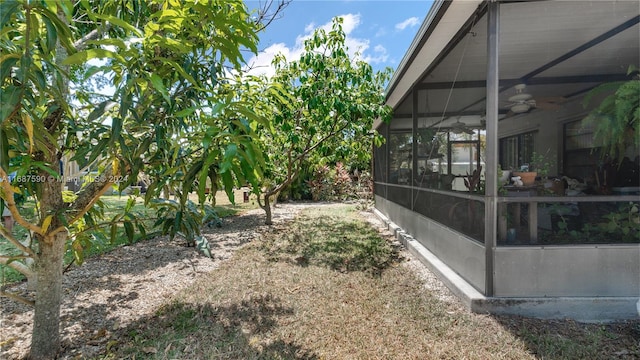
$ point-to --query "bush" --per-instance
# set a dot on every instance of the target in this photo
(339, 184)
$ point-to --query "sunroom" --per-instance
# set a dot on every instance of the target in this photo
(488, 92)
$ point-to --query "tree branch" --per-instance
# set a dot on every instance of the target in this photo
(11, 204)
(20, 246)
(17, 298)
(270, 17)
(81, 43)
(88, 196)
(323, 139)
(262, 206)
(16, 265)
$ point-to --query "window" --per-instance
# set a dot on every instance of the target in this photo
(581, 155)
(400, 158)
(380, 157)
(517, 150)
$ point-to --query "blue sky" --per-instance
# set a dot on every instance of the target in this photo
(381, 30)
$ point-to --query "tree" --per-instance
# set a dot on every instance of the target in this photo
(171, 113)
(321, 107)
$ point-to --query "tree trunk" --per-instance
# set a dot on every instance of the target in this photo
(45, 342)
(267, 209)
(45, 339)
(32, 278)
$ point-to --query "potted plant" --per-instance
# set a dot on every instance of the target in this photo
(540, 165)
(616, 120)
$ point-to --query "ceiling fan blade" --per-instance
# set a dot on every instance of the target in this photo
(508, 115)
(547, 106)
(551, 99)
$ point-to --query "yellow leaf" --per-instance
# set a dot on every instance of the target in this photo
(46, 223)
(28, 125)
(116, 166)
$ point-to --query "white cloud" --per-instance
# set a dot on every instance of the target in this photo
(410, 22)
(350, 22)
(309, 27)
(261, 64)
(380, 56)
(381, 32)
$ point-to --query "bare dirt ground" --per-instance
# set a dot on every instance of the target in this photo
(108, 292)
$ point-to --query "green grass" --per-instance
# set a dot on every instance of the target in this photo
(333, 237)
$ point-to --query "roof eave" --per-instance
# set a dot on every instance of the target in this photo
(460, 11)
(438, 8)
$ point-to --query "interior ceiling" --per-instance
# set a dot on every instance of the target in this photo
(556, 48)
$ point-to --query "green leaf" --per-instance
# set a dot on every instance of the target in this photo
(45, 167)
(116, 130)
(81, 57)
(112, 42)
(157, 83)
(118, 22)
(98, 149)
(4, 149)
(62, 29)
(185, 112)
(179, 69)
(52, 34)
(100, 110)
(232, 150)
(9, 101)
(128, 229)
(114, 232)
(202, 183)
(39, 79)
(28, 126)
(7, 9)
(142, 230)
(203, 246)
(6, 64)
(227, 181)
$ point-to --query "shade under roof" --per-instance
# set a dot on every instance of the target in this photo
(557, 48)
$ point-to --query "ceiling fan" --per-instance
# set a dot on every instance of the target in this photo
(522, 102)
(459, 127)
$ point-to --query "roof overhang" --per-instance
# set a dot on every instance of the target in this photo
(444, 20)
(558, 49)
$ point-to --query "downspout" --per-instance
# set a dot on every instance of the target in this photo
(491, 191)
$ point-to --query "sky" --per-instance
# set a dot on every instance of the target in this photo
(380, 30)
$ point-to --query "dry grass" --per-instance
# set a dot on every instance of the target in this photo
(328, 287)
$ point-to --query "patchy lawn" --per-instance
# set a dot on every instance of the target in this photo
(328, 286)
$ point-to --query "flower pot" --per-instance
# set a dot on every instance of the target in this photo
(528, 178)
